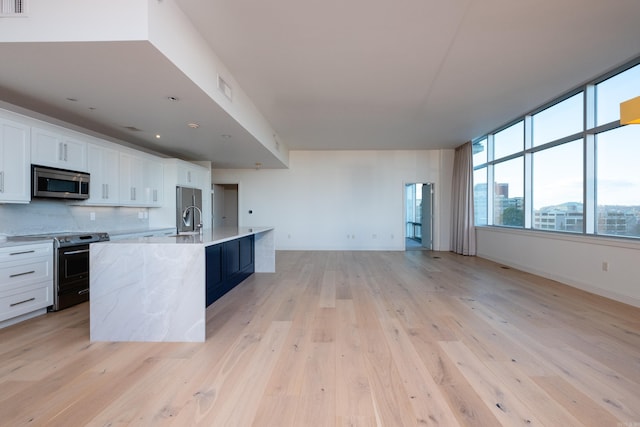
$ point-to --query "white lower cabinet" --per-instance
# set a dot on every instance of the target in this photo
(26, 281)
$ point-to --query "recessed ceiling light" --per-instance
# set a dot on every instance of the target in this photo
(157, 136)
(72, 99)
(173, 98)
(225, 136)
(193, 125)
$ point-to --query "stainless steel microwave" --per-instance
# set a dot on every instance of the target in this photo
(59, 183)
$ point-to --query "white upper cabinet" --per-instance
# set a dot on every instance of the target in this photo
(141, 181)
(15, 163)
(190, 175)
(153, 182)
(55, 149)
(104, 167)
(131, 177)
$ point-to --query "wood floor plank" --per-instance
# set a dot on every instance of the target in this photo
(345, 338)
(425, 398)
(353, 391)
(576, 402)
(496, 394)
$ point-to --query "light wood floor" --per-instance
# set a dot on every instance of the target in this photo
(346, 338)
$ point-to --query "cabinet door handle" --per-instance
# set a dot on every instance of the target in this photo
(22, 274)
(22, 302)
(65, 152)
(60, 151)
(133, 193)
(1, 181)
(155, 195)
(83, 291)
(21, 253)
(107, 187)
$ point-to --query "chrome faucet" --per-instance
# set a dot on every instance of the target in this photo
(185, 215)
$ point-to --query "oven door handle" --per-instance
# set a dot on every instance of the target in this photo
(81, 251)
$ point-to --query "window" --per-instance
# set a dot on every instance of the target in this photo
(508, 203)
(613, 91)
(480, 197)
(618, 182)
(558, 170)
(561, 120)
(509, 140)
(479, 152)
(558, 188)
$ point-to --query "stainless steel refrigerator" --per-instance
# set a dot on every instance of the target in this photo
(188, 209)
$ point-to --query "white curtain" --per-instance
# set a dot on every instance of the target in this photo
(463, 231)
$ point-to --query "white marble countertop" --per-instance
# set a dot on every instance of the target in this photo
(19, 241)
(208, 237)
(132, 234)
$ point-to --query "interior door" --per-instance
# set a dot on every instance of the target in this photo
(427, 216)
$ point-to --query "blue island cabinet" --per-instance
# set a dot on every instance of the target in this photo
(228, 264)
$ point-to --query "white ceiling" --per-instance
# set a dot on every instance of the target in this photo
(358, 74)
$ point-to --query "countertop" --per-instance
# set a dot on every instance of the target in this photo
(207, 238)
(16, 241)
(131, 234)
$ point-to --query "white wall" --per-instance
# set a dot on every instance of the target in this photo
(574, 260)
(342, 200)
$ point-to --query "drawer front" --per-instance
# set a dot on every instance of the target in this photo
(17, 274)
(17, 253)
(25, 301)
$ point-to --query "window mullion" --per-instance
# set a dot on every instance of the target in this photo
(528, 172)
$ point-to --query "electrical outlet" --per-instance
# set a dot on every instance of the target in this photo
(92, 216)
(140, 215)
(605, 266)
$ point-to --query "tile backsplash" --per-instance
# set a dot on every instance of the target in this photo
(51, 216)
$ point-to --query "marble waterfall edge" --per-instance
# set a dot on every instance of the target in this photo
(151, 292)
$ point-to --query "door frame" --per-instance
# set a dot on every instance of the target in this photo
(434, 219)
(239, 201)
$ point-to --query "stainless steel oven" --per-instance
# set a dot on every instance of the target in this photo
(70, 266)
(72, 275)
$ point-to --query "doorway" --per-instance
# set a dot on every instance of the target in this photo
(224, 200)
(419, 216)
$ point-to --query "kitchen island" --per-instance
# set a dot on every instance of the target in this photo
(155, 288)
